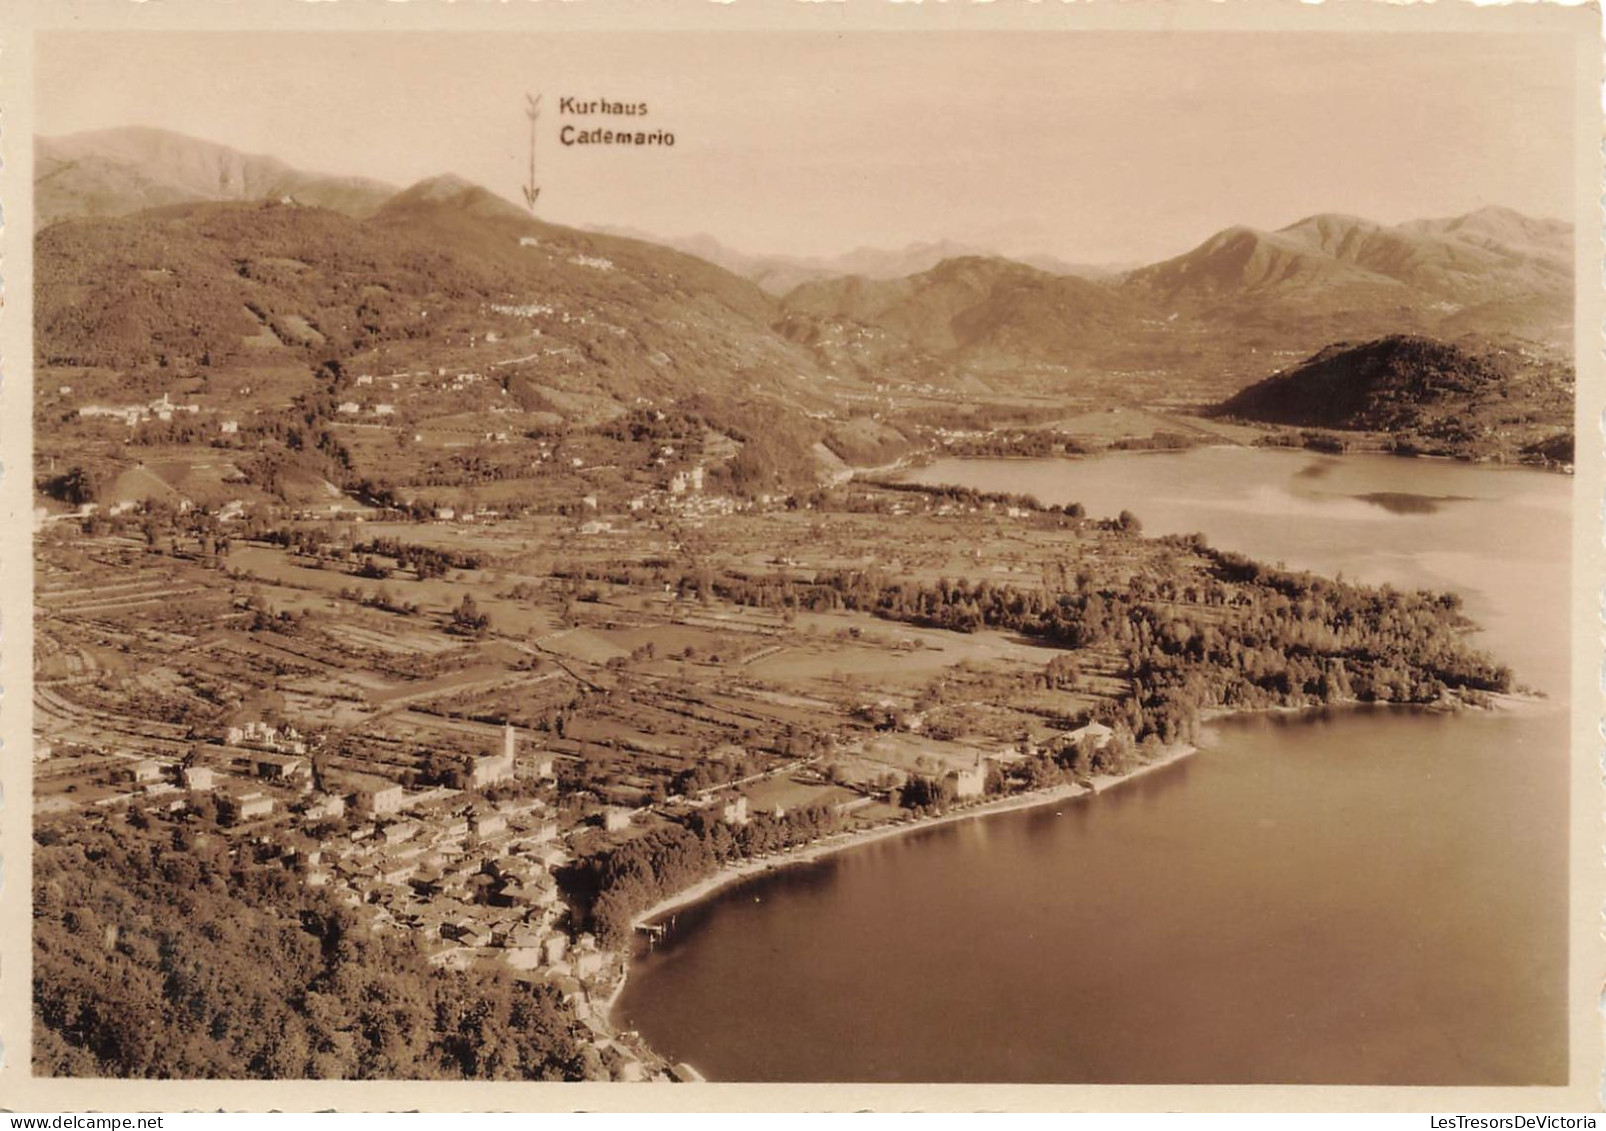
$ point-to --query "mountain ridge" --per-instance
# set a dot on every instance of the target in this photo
(127, 169)
(1459, 259)
(1194, 327)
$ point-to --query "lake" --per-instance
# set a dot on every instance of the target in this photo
(1350, 896)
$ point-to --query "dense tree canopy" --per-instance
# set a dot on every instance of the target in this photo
(175, 960)
(622, 882)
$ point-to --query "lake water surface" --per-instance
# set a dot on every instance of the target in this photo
(1354, 896)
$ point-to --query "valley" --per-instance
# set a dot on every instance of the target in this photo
(434, 591)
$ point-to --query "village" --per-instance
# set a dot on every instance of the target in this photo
(331, 712)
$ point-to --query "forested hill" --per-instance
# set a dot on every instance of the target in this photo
(445, 279)
(441, 268)
(1429, 392)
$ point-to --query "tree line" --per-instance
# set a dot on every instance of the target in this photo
(621, 882)
(1238, 635)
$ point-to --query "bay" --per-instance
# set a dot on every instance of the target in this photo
(1349, 896)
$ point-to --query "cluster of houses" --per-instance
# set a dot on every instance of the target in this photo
(691, 504)
(683, 481)
(449, 382)
(240, 799)
(473, 877)
(462, 381)
(472, 880)
(466, 870)
(160, 409)
(352, 408)
(259, 735)
(971, 782)
(522, 309)
(267, 773)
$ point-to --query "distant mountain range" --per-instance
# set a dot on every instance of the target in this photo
(1239, 296)
(114, 172)
(1461, 262)
(367, 265)
(118, 171)
(780, 274)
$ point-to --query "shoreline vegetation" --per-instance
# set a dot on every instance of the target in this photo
(1210, 635)
(1028, 447)
(1135, 643)
(733, 874)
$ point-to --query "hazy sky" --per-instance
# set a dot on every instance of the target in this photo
(1094, 147)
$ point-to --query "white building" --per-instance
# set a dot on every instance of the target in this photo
(378, 796)
(971, 783)
(250, 806)
(1098, 732)
(261, 736)
(326, 807)
(145, 770)
(493, 769)
(734, 811)
(483, 825)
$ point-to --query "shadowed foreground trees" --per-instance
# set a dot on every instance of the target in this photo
(622, 882)
(160, 961)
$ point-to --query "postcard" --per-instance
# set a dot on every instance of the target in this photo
(801, 556)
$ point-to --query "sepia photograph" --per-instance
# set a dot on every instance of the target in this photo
(808, 555)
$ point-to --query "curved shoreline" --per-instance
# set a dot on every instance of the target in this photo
(1554, 468)
(732, 874)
